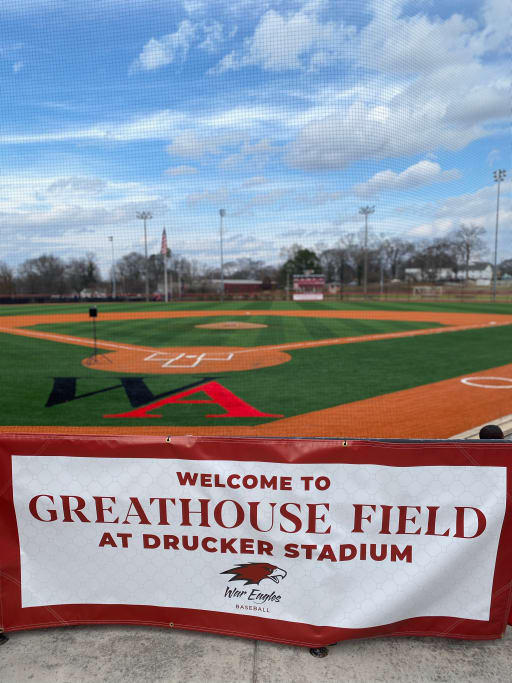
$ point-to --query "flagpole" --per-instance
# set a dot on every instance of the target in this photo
(166, 288)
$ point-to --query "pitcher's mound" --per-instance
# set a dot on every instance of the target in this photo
(234, 325)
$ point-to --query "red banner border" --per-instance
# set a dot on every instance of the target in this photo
(293, 451)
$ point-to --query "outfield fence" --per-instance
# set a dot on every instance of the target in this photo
(429, 292)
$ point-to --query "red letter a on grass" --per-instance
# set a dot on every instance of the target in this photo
(234, 406)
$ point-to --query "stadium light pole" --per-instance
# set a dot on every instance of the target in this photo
(222, 213)
(145, 216)
(366, 211)
(111, 238)
(499, 177)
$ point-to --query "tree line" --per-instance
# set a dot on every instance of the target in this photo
(341, 263)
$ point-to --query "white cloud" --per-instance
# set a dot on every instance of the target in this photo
(194, 6)
(232, 127)
(157, 53)
(254, 181)
(479, 206)
(214, 36)
(257, 153)
(77, 185)
(474, 207)
(244, 116)
(481, 103)
(338, 140)
(418, 175)
(217, 197)
(192, 145)
(227, 63)
(435, 91)
(265, 199)
(419, 120)
(317, 197)
(437, 228)
(397, 43)
(157, 126)
(181, 170)
(295, 40)
(493, 156)
(70, 202)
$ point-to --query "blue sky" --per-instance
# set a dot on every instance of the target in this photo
(290, 114)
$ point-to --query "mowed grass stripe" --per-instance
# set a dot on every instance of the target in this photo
(313, 379)
(446, 306)
(183, 331)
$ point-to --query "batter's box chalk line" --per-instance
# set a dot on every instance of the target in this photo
(168, 360)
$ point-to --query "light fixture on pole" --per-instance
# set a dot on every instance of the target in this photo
(366, 211)
(222, 213)
(111, 238)
(145, 216)
(499, 177)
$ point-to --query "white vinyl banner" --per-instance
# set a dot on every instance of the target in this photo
(342, 545)
(308, 296)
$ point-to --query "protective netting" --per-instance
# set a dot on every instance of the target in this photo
(274, 207)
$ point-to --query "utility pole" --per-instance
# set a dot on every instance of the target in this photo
(145, 216)
(366, 211)
(111, 238)
(499, 177)
(222, 213)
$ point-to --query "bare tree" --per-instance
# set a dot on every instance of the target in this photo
(6, 279)
(43, 275)
(396, 253)
(83, 273)
(505, 267)
(130, 270)
(469, 240)
(432, 256)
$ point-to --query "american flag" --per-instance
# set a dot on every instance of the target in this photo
(163, 249)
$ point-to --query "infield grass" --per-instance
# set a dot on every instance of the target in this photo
(184, 331)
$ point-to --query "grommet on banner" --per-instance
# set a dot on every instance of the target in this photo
(345, 443)
(168, 439)
(171, 624)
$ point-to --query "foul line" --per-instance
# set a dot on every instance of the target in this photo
(68, 339)
(367, 337)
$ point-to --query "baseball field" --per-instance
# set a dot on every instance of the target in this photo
(390, 370)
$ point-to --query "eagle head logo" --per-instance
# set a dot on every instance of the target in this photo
(254, 572)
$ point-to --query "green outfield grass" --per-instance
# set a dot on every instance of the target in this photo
(312, 380)
(183, 331)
